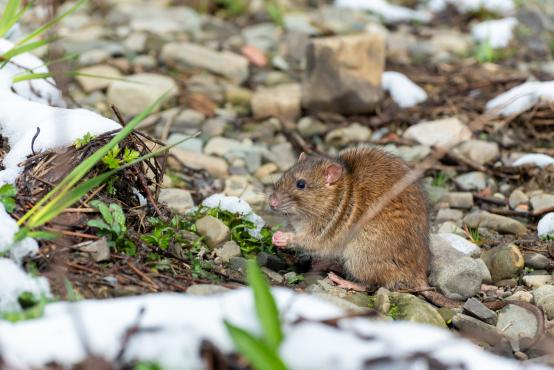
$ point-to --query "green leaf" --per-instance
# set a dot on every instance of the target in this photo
(17, 50)
(99, 224)
(7, 190)
(104, 211)
(258, 353)
(266, 308)
(117, 212)
(11, 15)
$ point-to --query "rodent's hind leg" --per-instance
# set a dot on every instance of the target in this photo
(346, 284)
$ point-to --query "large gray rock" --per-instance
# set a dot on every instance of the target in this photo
(282, 101)
(213, 230)
(504, 262)
(444, 133)
(499, 223)
(517, 322)
(454, 274)
(225, 63)
(343, 73)
(479, 310)
(139, 91)
(477, 329)
(411, 308)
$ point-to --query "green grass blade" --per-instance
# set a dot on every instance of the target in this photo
(16, 50)
(10, 16)
(266, 308)
(257, 352)
(31, 76)
(82, 169)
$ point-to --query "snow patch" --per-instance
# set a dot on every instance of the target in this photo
(497, 32)
(17, 250)
(503, 7)
(461, 244)
(389, 12)
(521, 98)
(538, 159)
(403, 91)
(545, 227)
(238, 206)
(16, 281)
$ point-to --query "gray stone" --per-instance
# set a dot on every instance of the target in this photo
(459, 199)
(471, 181)
(225, 63)
(499, 223)
(213, 230)
(299, 22)
(309, 126)
(282, 155)
(517, 197)
(479, 151)
(228, 251)
(448, 214)
(178, 200)
(409, 153)
(537, 281)
(347, 135)
(136, 42)
(451, 41)
(238, 263)
(282, 101)
(220, 146)
(214, 126)
(454, 274)
(99, 250)
(521, 296)
(157, 19)
(139, 91)
(461, 244)
(435, 193)
(479, 310)
(544, 298)
(271, 261)
(382, 300)
(504, 262)
(191, 144)
(142, 62)
(206, 289)
(275, 277)
(444, 133)
(325, 286)
(450, 227)
(343, 73)
(542, 201)
(411, 308)
(476, 328)
(263, 36)
(341, 303)
(96, 77)
(517, 322)
(215, 166)
(537, 261)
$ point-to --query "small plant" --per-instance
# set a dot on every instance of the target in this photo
(163, 233)
(262, 353)
(485, 53)
(84, 141)
(393, 312)
(31, 308)
(473, 234)
(232, 8)
(71, 294)
(440, 179)
(147, 365)
(7, 197)
(113, 160)
(274, 12)
(112, 225)
(295, 279)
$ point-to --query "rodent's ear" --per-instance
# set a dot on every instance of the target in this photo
(302, 157)
(333, 173)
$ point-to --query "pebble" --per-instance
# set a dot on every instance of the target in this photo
(409, 153)
(238, 263)
(517, 322)
(326, 286)
(220, 146)
(450, 227)
(537, 281)
(522, 296)
(461, 244)
(139, 91)
(282, 101)
(504, 262)
(275, 277)
(178, 200)
(537, 261)
(479, 310)
(99, 77)
(206, 289)
(479, 151)
(266, 170)
(191, 144)
(499, 223)
(271, 261)
(444, 133)
(215, 166)
(411, 308)
(458, 199)
(542, 201)
(213, 230)
(343, 73)
(225, 63)
(98, 250)
(448, 214)
(229, 250)
(159, 20)
(347, 135)
(477, 328)
(544, 298)
(517, 197)
(283, 155)
(545, 227)
(471, 181)
(382, 300)
(309, 126)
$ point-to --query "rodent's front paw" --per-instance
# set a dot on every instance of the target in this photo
(281, 239)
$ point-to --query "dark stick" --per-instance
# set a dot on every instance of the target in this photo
(33, 141)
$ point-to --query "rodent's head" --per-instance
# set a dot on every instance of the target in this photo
(304, 189)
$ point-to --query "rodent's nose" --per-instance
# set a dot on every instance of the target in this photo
(273, 201)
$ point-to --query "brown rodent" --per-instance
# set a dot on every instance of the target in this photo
(324, 198)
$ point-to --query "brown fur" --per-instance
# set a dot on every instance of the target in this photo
(391, 250)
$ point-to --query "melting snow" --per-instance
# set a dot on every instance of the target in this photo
(504, 7)
(497, 32)
(545, 226)
(538, 159)
(521, 98)
(14, 282)
(389, 12)
(404, 92)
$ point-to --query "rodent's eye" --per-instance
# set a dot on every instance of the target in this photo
(301, 184)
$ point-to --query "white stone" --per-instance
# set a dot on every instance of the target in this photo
(97, 77)
(444, 133)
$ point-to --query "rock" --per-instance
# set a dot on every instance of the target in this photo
(191, 144)
(479, 151)
(299, 22)
(341, 303)
(448, 214)
(382, 300)
(275, 277)
(91, 78)
(411, 308)
(453, 273)
(215, 166)
(471, 181)
(522, 296)
(271, 261)
(220, 146)
(309, 126)
(343, 73)
(283, 155)
(451, 40)
(544, 298)
(499, 223)
(282, 101)
(136, 42)
(445, 132)
(157, 19)
(266, 170)
(517, 322)
(238, 263)
(545, 227)
(98, 250)
(225, 63)
(536, 281)
(435, 193)
(139, 91)
(542, 201)
(206, 289)
(213, 230)
(479, 310)
(238, 96)
(450, 227)
(517, 197)
(347, 135)
(537, 261)
(178, 200)
(409, 153)
(476, 328)
(461, 244)
(228, 251)
(458, 199)
(504, 262)
(263, 36)
(326, 286)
